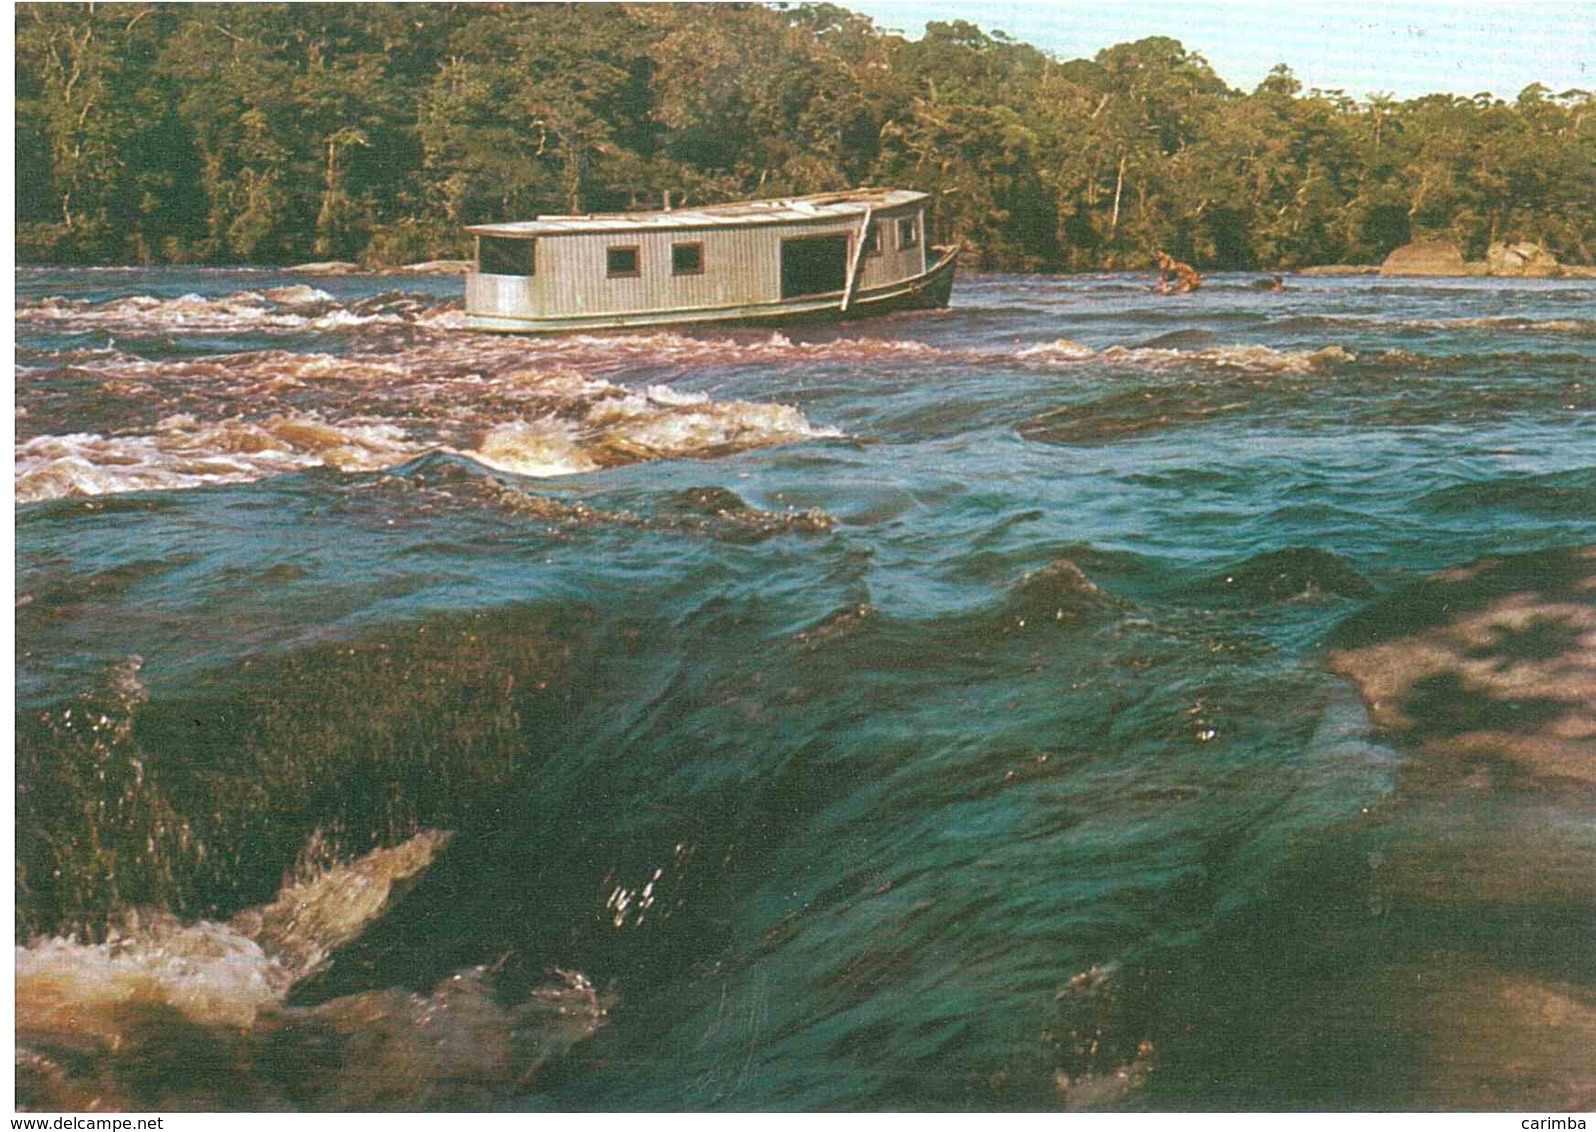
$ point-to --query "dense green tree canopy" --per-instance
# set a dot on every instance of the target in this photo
(276, 132)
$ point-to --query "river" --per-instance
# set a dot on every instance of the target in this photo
(939, 712)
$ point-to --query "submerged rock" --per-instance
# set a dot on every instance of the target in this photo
(1494, 660)
(1485, 676)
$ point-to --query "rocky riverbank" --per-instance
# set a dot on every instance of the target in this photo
(1444, 258)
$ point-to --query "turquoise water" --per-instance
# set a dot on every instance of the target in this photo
(922, 714)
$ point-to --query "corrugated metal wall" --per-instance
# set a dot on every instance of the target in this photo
(742, 266)
(491, 293)
(893, 263)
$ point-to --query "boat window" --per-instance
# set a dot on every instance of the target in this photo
(687, 259)
(621, 262)
(873, 238)
(497, 255)
(909, 232)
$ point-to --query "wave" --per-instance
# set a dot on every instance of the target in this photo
(714, 512)
(92, 1019)
(238, 418)
(1570, 494)
(291, 307)
(657, 423)
(1296, 573)
(1574, 327)
(298, 307)
(1058, 592)
(1293, 389)
(301, 308)
(528, 407)
(1175, 339)
(186, 453)
(96, 421)
(446, 709)
(1441, 363)
(1247, 358)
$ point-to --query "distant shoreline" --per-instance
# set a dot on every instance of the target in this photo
(462, 267)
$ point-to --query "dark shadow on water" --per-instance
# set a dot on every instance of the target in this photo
(1443, 704)
(1545, 637)
(1552, 574)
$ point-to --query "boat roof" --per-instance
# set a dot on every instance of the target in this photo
(783, 210)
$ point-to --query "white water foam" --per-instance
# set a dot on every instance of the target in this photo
(186, 453)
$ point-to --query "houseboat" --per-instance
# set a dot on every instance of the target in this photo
(765, 262)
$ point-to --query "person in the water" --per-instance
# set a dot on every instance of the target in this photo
(1175, 277)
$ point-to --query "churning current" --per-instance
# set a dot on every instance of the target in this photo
(1078, 698)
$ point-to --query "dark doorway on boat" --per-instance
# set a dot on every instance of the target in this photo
(813, 265)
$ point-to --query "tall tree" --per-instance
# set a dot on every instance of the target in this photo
(269, 132)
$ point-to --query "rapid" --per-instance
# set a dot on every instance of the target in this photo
(1078, 698)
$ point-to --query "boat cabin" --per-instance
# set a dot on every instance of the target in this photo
(843, 254)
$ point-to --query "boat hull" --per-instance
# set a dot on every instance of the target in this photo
(927, 291)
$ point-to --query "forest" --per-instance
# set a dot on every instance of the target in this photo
(279, 133)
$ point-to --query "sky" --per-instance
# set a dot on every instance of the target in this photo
(1404, 48)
